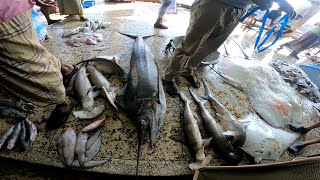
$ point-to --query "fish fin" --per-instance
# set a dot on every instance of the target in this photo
(206, 142)
(110, 97)
(93, 87)
(96, 93)
(128, 35)
(179, 138)
(120, 100)
(196, 99)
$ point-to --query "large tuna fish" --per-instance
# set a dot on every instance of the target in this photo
(144, 99)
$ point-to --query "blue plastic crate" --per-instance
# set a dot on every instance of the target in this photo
(87, 4)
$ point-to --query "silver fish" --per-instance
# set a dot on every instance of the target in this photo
(144, 98)
(68, 145)
(93, 150)
(4, 137)
(32, 129)
(84, 89)
(191, 134)
(99, 81)
(80, 148)
(21, 105)
(93, 139)
(14, 136)
(25, 137)
(11, 113)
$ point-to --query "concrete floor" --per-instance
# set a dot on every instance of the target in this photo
(168, 158)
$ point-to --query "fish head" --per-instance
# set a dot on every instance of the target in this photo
(146, 118)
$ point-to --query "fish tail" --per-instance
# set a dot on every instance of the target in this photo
(196, 99)
(207, 92)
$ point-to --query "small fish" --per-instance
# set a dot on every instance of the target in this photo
(25, 137)
(94, 149)
(93, 139)
(93, 126)
(68, 145)
(14, 136)
(99, 81)
(32, 129)
(84, 88)
(5, 136)
(191, 134)
(80, 148)
(89, 164)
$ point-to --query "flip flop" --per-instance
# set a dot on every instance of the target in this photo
(58, 118)
(67, 78)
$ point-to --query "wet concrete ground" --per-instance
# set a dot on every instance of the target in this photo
(168, 158)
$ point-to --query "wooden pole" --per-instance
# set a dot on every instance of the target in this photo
(308, 13)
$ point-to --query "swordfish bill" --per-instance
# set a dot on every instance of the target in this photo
(144, 99)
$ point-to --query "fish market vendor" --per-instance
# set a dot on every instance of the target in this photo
(27, 70)
(211, 22)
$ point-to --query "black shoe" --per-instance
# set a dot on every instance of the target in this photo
(53, 21)
(193, 81)
(170, 88)
(298, 128)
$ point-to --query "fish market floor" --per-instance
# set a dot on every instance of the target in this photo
(168, 158)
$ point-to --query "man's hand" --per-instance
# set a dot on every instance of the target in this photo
(286, 7)
(44, 3)
(263, 4)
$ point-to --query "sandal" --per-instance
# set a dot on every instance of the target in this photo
(58, 117)
(67, 78)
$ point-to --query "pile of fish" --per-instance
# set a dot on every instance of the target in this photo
(84, 149)
(225, 140)
(144, 98)
(269, 95)
(24, 130)
(90, 82)
(297, 79)
(85, 35)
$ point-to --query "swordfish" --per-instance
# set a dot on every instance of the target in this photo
(144, 98)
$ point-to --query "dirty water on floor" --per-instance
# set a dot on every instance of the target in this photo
(119, 134)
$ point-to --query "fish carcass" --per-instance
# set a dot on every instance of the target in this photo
(272, 98)
(191, 135)
(144, 98)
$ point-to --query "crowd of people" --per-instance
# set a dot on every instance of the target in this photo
(31, 73)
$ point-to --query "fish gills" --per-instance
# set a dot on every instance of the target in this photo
(93, 126)
(80, 148)
(6, 135)
(68, 141)
(14, 136)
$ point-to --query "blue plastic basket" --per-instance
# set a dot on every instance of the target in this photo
(87, 4)
(313, 72)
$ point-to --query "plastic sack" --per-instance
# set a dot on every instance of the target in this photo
(39, 24)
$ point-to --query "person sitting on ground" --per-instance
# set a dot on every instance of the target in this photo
(211, 22)
(27, 70)
(165, 4)
(71, 8)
